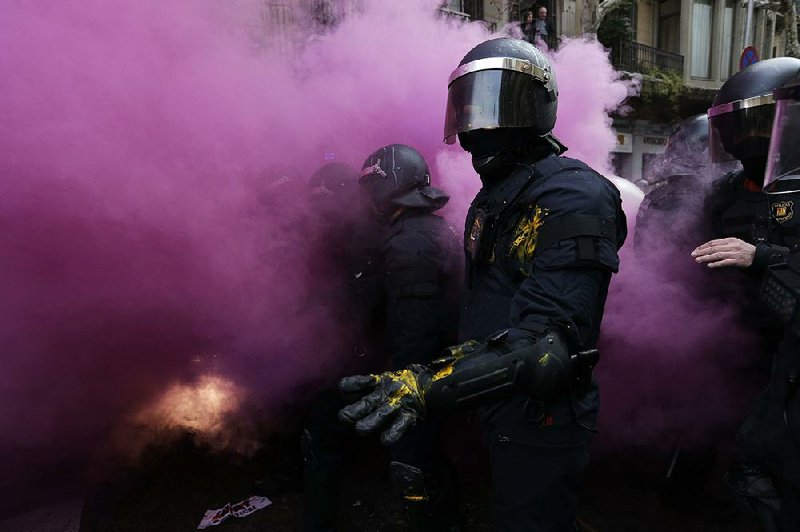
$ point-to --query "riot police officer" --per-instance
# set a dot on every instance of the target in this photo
(748, 231)
(667, 217)
(771, 435)
(541, 242)
(405, 292)
(340, 241)
(752, 231)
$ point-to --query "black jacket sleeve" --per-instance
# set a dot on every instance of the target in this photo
(568, 281)
(768, 255)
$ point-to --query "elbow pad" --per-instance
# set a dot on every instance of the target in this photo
(473, 374)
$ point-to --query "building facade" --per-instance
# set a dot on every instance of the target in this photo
(697, 43)
(694, 44)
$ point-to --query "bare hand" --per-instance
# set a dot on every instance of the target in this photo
(725, 252)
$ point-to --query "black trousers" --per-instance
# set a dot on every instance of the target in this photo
(535, 489)
(790, 508)
(538, 454)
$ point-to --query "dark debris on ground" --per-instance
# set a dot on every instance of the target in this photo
(173, 487)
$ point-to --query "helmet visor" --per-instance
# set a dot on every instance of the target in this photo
(488, 99)
(740, 130)
(783, 166)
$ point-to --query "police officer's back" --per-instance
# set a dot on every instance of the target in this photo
(405, 290)
(419, 271)
(418, 285)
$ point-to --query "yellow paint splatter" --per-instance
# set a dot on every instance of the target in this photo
(444, 372)
(526, 235)
(408, 385)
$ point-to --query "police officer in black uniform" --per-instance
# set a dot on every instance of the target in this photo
(334, 254)
(405, 290)
(747, 231)
(751, 232)
(541, 241)
(686, 152)
(667, 216)
(774, 428)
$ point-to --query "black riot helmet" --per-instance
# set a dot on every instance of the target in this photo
(333, 179)
(397, 176)
(501, 83)
(689, 138)
(279, 183)
(742, 113)
(334, 190)
(686, 152)
(783, 166)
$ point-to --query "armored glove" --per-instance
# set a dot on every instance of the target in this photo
(468, 376)
(399, 396)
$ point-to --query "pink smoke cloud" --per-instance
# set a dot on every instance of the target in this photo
(679, 363)
(134, 143)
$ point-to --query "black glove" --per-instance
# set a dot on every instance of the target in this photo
(397, 397)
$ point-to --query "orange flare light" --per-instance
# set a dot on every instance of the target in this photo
(202, 407)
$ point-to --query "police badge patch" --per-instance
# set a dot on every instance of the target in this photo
(782, 211)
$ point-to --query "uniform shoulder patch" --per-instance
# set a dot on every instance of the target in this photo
(782, 211)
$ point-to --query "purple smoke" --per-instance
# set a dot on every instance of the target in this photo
(135, 142)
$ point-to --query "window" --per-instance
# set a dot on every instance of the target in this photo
(669, 26)
(474, 8)
(727, 41)
(769, 35)
(622, 164)
(701, 39)
(455, 5)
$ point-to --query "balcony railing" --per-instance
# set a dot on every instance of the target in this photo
(635, 57)
(454, 13)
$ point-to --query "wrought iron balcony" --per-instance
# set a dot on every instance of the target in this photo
(635, 57)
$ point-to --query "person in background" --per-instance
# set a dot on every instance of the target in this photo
(543, 29)
(405, 295)
(527, 27)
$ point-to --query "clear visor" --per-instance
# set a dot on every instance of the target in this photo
(783, 166)
(489, 99)
(740, 134)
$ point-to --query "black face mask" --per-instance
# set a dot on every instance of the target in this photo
(755, 168)
(493, 151)
(752, 152)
